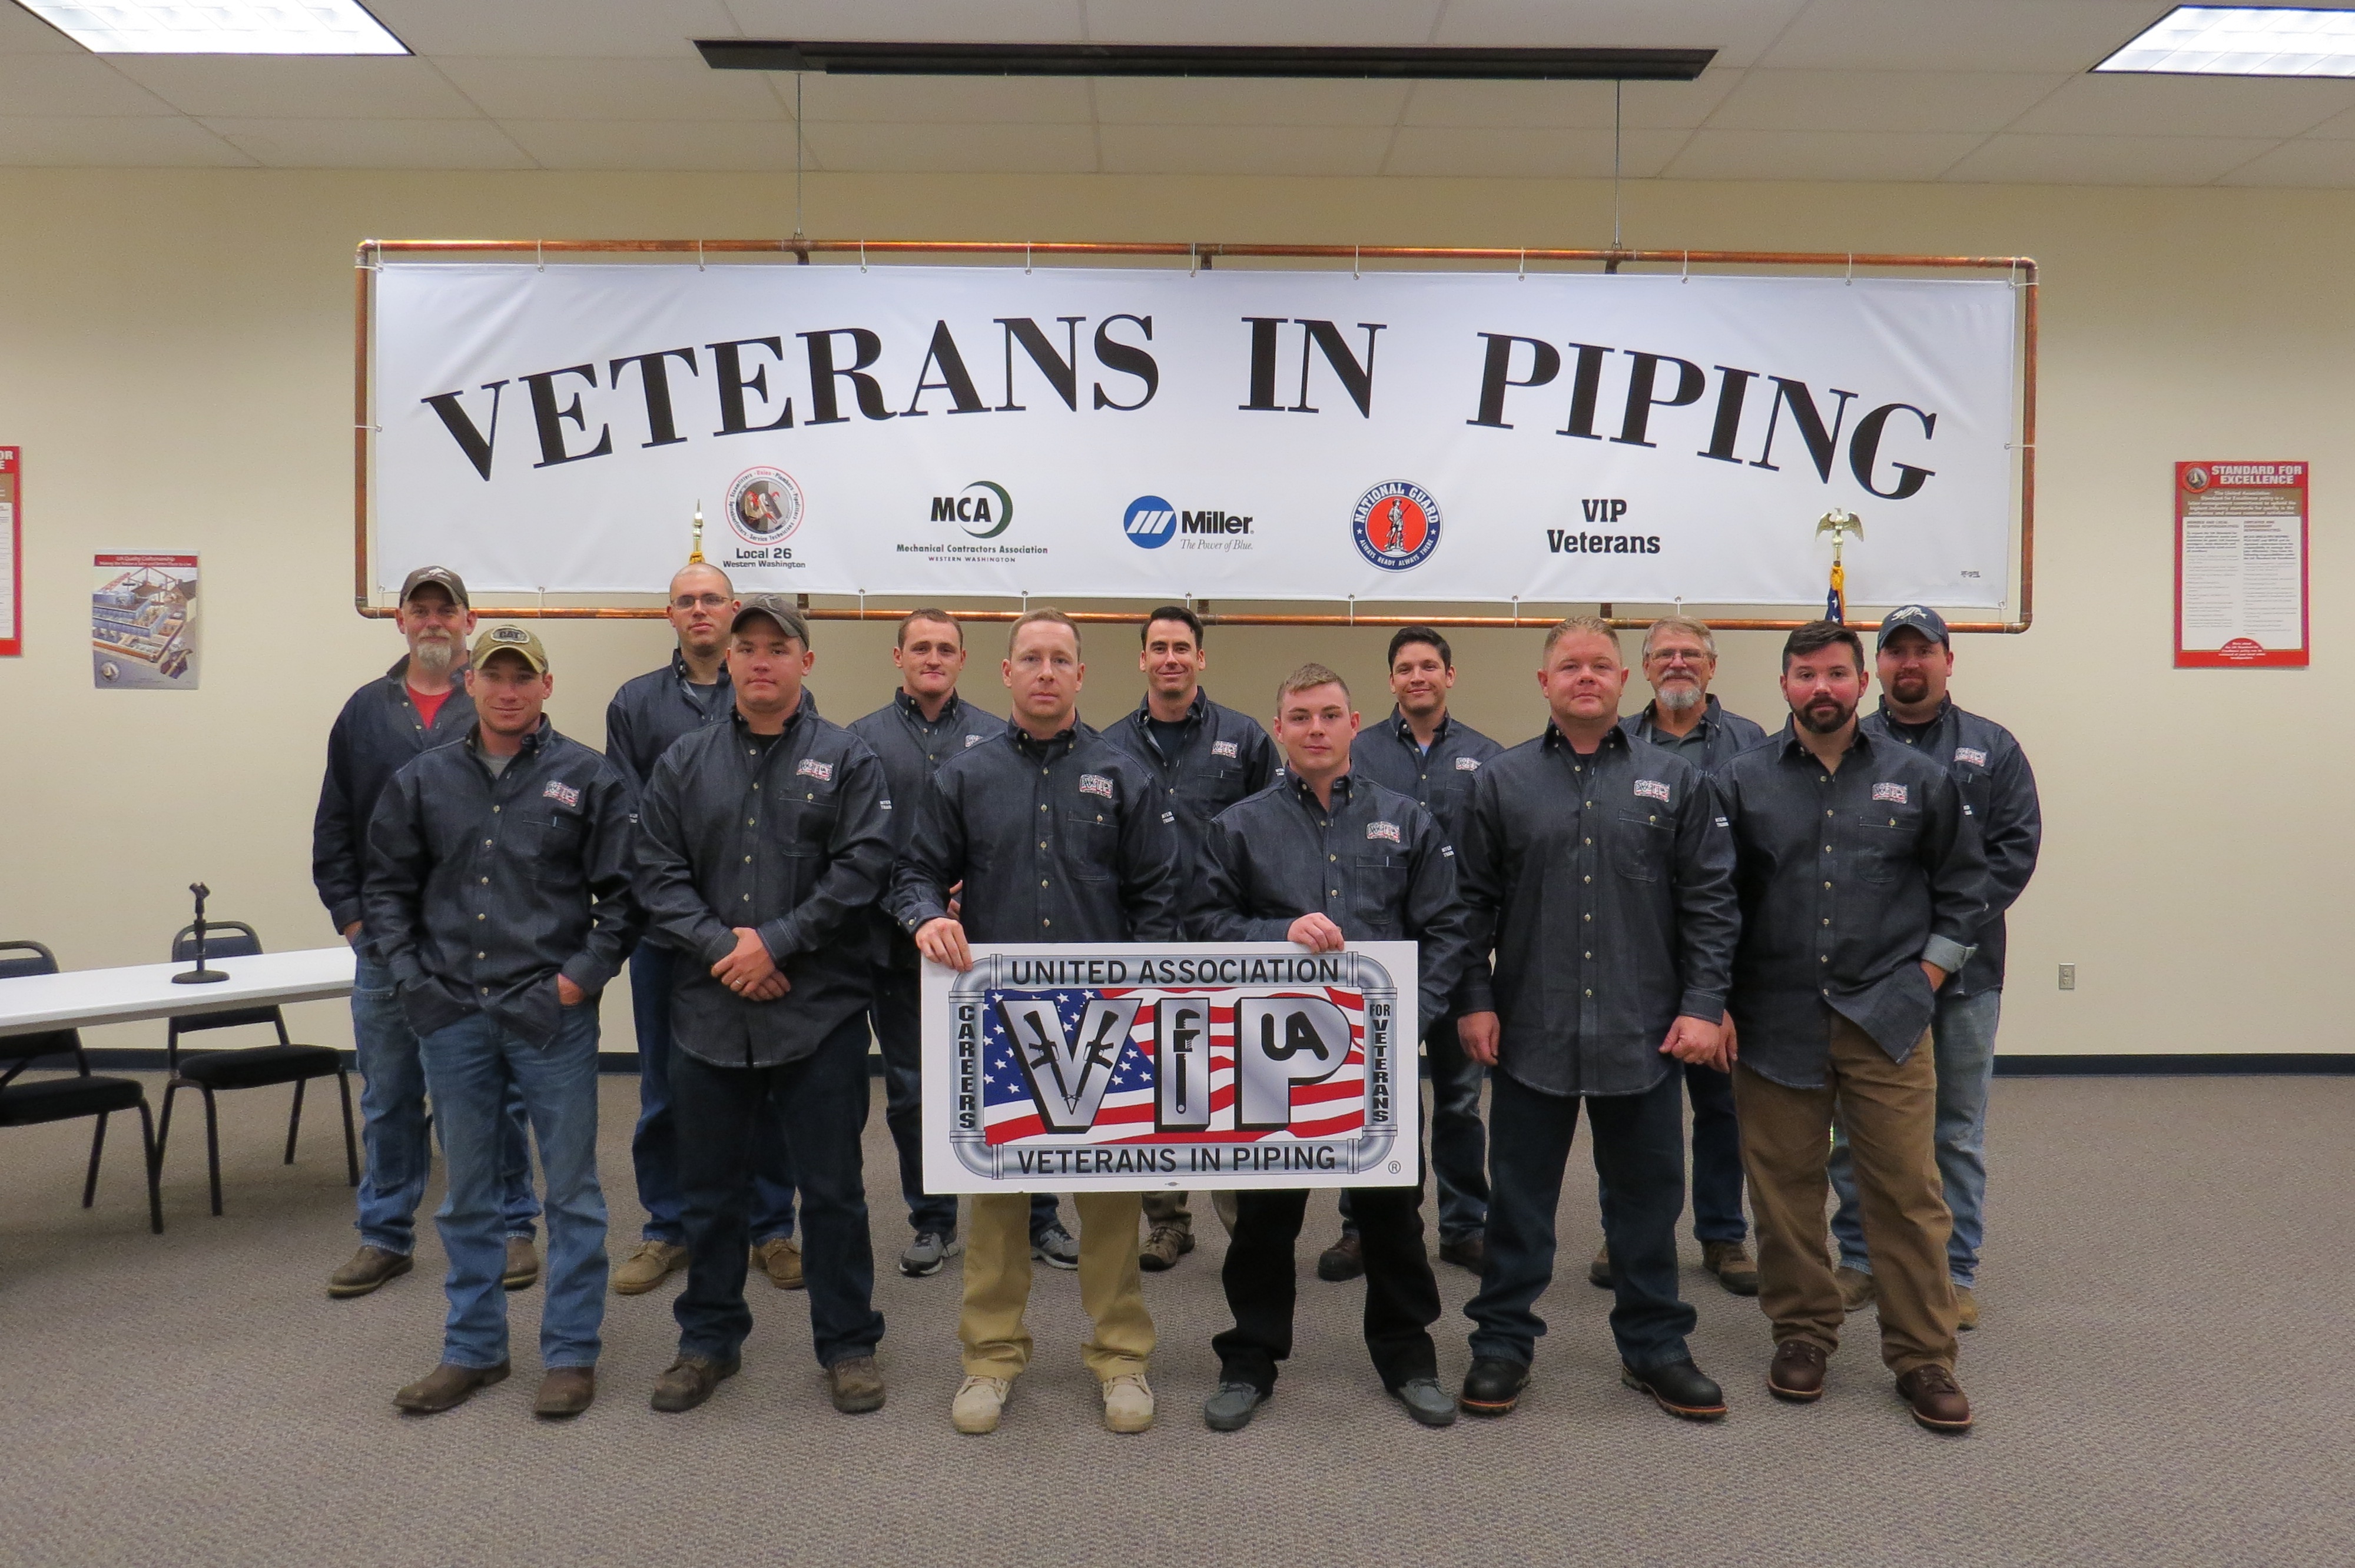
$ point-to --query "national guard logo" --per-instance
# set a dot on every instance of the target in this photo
(765, 505)
(1652, 789)
(1893, 793)
(1971, 755)
(1383, 831)
(811, 768)
(563, 794)
(1396, 525)
(1095, 784)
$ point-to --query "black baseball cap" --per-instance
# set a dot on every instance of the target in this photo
(1917, 617)
(442, 578)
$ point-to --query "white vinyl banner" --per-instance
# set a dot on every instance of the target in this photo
(1143, 432)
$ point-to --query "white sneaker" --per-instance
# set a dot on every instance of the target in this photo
(982, 1401)
(1128, 1403)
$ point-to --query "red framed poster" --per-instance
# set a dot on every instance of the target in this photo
(2240, 566)
(12, 551)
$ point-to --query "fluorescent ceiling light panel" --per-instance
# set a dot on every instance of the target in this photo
(2243, 40)
(221, 26)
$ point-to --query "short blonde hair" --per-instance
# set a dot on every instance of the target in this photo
(1569, 625)
(1685, 624)
(1033, 618)
(1307, 678)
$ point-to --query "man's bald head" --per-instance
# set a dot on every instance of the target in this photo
(701, 605)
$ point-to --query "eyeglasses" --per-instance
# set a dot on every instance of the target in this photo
(1679, 656)
(708, 601)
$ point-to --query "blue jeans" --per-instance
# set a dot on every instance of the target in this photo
(654, 1148)
(824, 1098)
(474, 1067)
(1962, 1042)
(1716, 1158)
(1459, 1143)
(1639, 1148)
(392, 1124)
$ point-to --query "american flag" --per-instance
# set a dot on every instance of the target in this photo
(1009, 1115)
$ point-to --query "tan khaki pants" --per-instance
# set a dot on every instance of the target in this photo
(997, 1284)
(1169, 1208)
(1889, 1111)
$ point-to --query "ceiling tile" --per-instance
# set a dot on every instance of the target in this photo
(1879, 101)
(1511, 105)
(249, 86)
(513, 88)
(653, 28)
(2301, 163)
(956, 149)
(1211, 102)
(1260, 21)
(315, 143)
(113, 141)
(1818, 155)
(1737, 29)
(2105, 160)
(71, 84)
(1959, 35)
(655, 143)
(910, 21)
(942, 99)
(1342, 150)
(1549, 154)
(2185, 106)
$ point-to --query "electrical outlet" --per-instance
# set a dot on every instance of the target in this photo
(2068, 977)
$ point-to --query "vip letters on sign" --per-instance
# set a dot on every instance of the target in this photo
(1138, 1066)
(1140, 432)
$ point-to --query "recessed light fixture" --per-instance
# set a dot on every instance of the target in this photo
(2243, 40)
(1403, 63)
(221, 26)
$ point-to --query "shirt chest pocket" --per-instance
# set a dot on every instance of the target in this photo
(548, 844)
(801, 818)
(1639, 850)
(1218, 783)
(1885, 843)
(1091, 840)
(1381, 892)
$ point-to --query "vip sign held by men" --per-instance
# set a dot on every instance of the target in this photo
(1137, 1066)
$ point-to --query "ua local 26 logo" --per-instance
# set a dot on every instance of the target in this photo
(1150, 522)
(765, 505)
(1396, 525)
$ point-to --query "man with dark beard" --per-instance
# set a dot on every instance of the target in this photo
(1863, 886)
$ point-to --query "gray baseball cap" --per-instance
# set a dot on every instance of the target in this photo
(1915, 617)
(778, 608)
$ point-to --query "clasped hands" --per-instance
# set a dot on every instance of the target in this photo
(749, 971)
(1690, 1040)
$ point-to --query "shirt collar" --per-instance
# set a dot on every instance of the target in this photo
(1342, 790)
(1405, 731)
(1860, 742)
(1711, 714)
(1196, 711)
(1945, 707)
(909, 708)
(531, 743)
(1554, 740)
(1057, 745)
(804, 707)
(686, 677)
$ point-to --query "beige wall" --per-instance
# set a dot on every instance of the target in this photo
(176, 361)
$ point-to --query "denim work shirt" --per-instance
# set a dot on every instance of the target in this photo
(792, 840)
(1603, 884)
(651, 711)
(1849, 880)
(1999, 787)
(1439, 778)
(1375, 865)
(912, 750)
(480, 891)
(1056, 840)
(378, 733)
(1222, 756)
(1716, 740)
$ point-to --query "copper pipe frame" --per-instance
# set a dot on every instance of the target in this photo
(2022, 269)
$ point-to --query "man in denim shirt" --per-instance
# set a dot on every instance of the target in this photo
(1863, 886)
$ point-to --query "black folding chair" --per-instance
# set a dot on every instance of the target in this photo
(29, 1103)
(248, 1067)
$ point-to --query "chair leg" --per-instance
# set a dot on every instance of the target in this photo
(155, 1169)
(294, 1118)
(97, 1145)
(351, 1146)
(164, 1123)
(212, 1146)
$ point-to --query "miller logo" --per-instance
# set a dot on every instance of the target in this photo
(1150, 522)
(765, 505)
(983, 509)
(1396, 525)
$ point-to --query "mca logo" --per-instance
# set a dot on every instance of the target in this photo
(1150, 523)
(1396, 525)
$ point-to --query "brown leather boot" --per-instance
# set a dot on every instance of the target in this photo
(1729, 1261)
(522, 1271)
(565, 1392)
(855, 1386)
(1345, 1259)
(446, 1387)
(1796, 1373)
(688, 1382)
(368, 1268)
(1598, 1273)
(1936, 1399)
(780, 1258)
(1168, 1242)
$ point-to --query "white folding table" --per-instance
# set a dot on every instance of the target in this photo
(85, 998)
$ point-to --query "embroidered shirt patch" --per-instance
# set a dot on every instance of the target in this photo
(1095, 784)
(1383, 831)
(1652, 788)
(563, 794)
(1224, 748)
(1467, 764)
(972, 740)
(1894, 793)
(811, 768)
(1971, 755)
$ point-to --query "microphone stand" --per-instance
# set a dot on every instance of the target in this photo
(200, 975)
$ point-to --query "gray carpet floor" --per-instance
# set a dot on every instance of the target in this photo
(2164, 1377)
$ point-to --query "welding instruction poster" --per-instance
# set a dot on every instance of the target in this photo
(142, 622)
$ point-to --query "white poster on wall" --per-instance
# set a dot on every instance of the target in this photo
(1143, 432)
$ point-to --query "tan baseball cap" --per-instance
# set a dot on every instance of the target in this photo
(511, 640)
(441, 576)
(778, 608)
